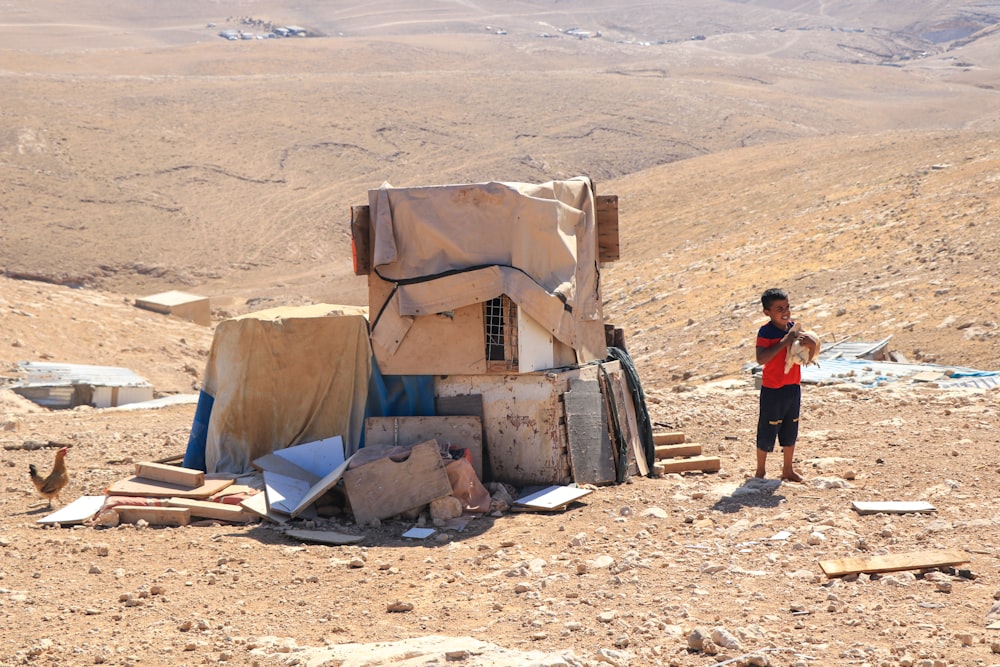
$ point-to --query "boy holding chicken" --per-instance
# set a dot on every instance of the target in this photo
(781, 391)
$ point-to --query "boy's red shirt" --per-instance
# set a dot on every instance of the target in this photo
(774, 375)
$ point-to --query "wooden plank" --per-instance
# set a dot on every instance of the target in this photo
(892, 507)
(669, 438)
(670, 451)
(607, 228)
(914, 560)
(590, 454)
(161, 472)
(211, 510)
(385, 488)
(142, 486)
(154, 516)
(629, 422)
(463, 432)
(361, 240)
(702, 463)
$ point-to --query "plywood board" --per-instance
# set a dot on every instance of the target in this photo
(80, 510)
(914, 560)
(421, 352)
(324, 536)
(463, 432)
(161, 472)
(211, 510)
(552, 497)
(320, 457)
(320, 487)
(588, 442)
(141, 486)
(283, 493)
(257, 504)
(276, 464)
(384, 488)
(154, 516)
(892, 507)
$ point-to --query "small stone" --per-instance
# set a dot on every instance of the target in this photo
(94, 569)
(606, 616)
(399, 606)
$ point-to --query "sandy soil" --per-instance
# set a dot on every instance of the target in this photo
(140, 153)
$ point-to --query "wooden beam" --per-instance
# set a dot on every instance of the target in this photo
(671, 451)
(361, 240)
(607, 228)
(211, 510)
(702, 463)
(154, 516)
(914, 560)
(669, 438)
(161, 472)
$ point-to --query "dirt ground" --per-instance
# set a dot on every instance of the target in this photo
(140, 152)
(623, 577)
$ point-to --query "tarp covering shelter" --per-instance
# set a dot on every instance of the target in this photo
(282, 377)
(437, 249)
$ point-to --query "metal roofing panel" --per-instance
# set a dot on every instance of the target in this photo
(45, 374)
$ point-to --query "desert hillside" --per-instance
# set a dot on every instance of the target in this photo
(846, 151)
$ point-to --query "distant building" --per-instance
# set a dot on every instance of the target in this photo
(179, 304)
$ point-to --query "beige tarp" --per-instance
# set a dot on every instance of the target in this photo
(283, 377)
(535, 243)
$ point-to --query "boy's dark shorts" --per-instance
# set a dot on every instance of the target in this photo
(779, 416)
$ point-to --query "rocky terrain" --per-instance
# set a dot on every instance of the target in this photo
(845, 152)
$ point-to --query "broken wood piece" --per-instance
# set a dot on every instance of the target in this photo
(892, 507)
(154, 516)
(915, 560)
(463, 432)
(702, 463)
(589, 444)
(671, 451)
(669, 438)
(324, 536)
(211, 510)
(161, 472)
(384, 488)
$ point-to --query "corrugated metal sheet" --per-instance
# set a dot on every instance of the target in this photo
(850, 361)
(869, 373)
(44, 374)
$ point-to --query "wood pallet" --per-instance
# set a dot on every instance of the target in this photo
(675, 454)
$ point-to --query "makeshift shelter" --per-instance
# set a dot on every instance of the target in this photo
(186, 306)
(494, 290)
(278, 378)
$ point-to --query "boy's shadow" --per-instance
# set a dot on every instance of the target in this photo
(754, 492)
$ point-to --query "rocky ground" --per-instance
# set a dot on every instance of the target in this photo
(635, 574)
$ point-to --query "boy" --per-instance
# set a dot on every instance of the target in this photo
(780, 392)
